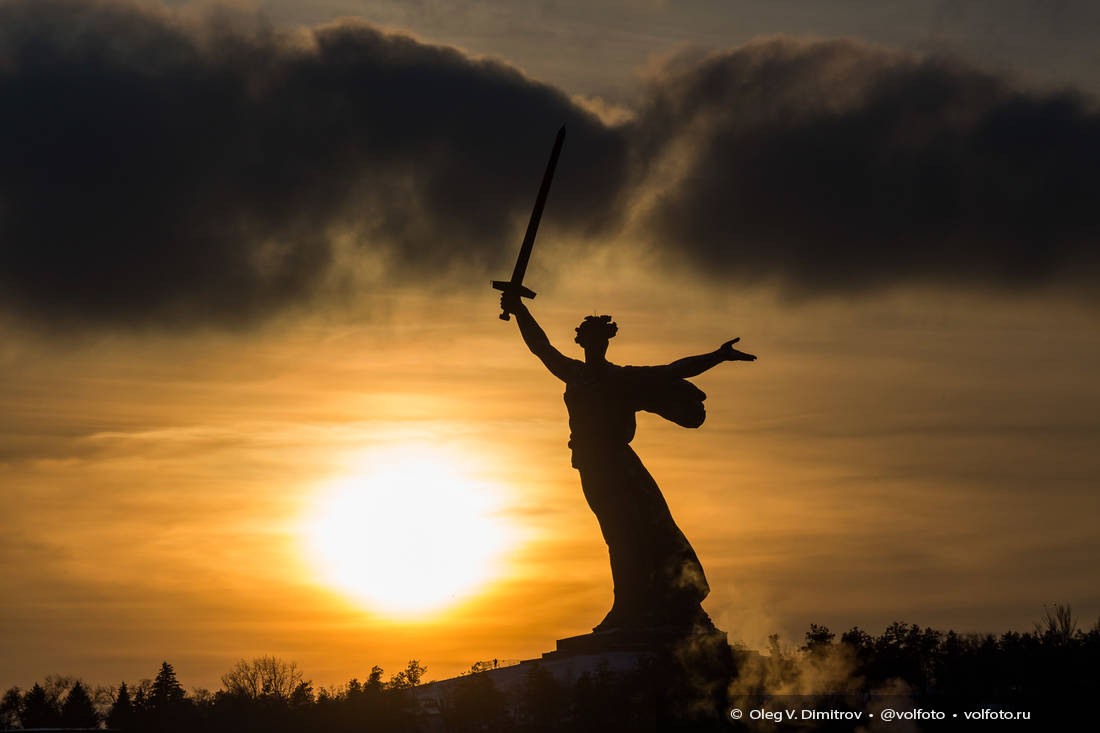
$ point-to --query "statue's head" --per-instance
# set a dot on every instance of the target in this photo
(595, 332)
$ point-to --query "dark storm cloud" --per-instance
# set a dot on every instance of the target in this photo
(836, 166)
(155, 170)
(158, 169)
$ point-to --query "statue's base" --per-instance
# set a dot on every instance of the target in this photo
(694, 667)
(654, 639)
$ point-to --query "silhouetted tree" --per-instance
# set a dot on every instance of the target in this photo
(166, 707)
(262, 676)
(166, 691)
(408, 677)
(859, 642)
(121, 715)
(11, 708)
(818, 639)
(141, 695)
(374, 681)
(1057, 624)
(38, 710)
(78, 710)
(378, 702)
(302, 696)
(397, 704)
(201, 697)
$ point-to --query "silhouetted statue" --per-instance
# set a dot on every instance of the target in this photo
(658, 580)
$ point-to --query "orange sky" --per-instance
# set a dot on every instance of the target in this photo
(185, 381)
(917, 456)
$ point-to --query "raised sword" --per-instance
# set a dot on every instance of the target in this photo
(515, 285)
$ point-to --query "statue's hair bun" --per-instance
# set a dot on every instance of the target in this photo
(596, 327)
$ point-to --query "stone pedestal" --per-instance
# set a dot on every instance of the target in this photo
(681, 674)
(651, 640)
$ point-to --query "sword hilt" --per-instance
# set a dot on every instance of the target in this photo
(507, 286)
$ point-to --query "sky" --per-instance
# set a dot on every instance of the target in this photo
(244, 262)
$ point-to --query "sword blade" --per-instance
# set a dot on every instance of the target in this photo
(536, 214)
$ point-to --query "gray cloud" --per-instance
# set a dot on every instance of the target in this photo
(836, 166)
(159, 170)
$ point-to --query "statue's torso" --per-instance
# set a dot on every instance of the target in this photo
(601, 408)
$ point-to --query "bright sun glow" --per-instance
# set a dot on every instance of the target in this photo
(408, 533)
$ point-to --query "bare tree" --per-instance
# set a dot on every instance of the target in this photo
(262, 677)
(1057, 623)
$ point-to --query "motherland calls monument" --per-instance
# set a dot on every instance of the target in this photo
(658, 580)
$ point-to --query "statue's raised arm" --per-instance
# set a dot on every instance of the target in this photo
(558, 363)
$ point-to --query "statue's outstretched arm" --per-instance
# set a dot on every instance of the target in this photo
(692, 366)
(558, 363)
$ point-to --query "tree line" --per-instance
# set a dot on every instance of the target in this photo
(1039, 670)
(266, 693)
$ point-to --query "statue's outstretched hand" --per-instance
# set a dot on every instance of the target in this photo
(731, 354)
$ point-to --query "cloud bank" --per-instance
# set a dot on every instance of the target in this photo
(837, 166)
(164, 169)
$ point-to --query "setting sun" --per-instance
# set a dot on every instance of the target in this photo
(409, 532)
